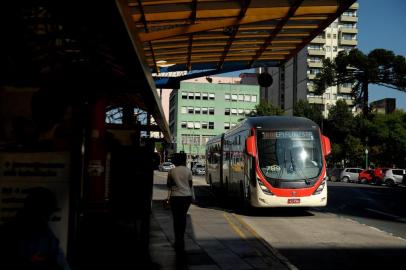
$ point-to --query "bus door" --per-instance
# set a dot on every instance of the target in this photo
(226, 166)
(236, 165)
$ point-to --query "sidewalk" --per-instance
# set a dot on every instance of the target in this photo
(214, 240)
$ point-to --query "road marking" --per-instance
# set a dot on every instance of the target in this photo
(383, 213)
(234, 227)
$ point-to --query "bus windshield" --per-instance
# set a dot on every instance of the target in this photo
(289, 155)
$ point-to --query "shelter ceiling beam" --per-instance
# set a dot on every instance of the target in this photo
(244, 7)
(278, 28)
(193, 20)
(272, 14)
(147, 31)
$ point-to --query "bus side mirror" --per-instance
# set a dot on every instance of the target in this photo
(326, 146)
(250, 146)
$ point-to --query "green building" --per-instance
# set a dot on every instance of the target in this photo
(199, 111)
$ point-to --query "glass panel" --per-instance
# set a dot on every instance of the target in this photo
(289, 155)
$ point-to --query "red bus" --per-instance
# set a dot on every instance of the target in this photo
(270, 161)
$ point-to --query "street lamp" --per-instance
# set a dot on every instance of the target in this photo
(366, 158)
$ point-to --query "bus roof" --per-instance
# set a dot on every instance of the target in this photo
(279, 122)
(270, 122)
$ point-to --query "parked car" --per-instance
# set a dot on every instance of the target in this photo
(199, 169)
(394, 177)
(366, 176)
(166, 166)
(350, 174)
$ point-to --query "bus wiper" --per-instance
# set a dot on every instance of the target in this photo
(307, 180)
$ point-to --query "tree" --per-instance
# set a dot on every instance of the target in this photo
(387, 138)
(340, 122)
(380, 66)
(304, 109)
(266, 108)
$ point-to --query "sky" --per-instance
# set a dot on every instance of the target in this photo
(381, 24)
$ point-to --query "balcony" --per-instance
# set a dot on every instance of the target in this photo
(344, 90)
(354, 6)
(315, 64)
(344, 18)
(348, 42)
(350, 102)
(349, 30)
(311, 76)
(315, 100)
(318, 40)
(315, 52)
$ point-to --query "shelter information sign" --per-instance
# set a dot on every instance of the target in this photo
(22, 171)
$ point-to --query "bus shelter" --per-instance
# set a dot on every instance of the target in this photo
(79, 111)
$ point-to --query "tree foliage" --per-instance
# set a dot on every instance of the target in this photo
(384, 135)
(304, 109)
(265, 108)
(380, 66)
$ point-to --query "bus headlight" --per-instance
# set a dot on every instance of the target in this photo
(264, 188)
(321, 187)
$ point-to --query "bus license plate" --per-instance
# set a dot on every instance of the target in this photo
(293, 201)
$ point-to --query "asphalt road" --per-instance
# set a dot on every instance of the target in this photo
(362, 227)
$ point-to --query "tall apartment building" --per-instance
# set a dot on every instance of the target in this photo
(293, 81)
(200, 110)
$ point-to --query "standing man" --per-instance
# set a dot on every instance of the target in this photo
(181, 189)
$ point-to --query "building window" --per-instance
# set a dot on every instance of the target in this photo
(328, 48)
(227, 111)
(240, 112)
(234, 97)
(226, 125)
(247, 98)
(253, 98)
(346, 36)
(211, 96)
(190, 125)
(204, 96)
(227, 97)
(197, 125)
(197, 96)
(211, 125)
(316, 47)
(183, 110)
(204, 110)
(247, 112)
(205, 125)
(233, 111)
(240, 97)
(183, 125)
(313, 71)
(334, 36)
(211, 111)
(328, 35)
(334, 48)
(184, 95)
(314, 59)
(190, 110)
(233, 125)
(350, 13)
(348, 25)
(197, 110)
